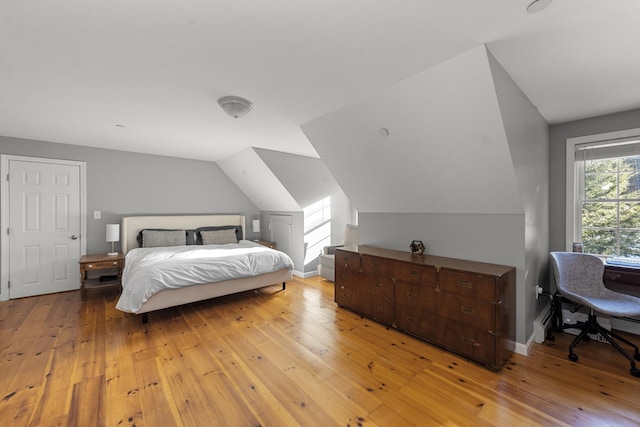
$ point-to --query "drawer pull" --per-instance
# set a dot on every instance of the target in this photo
(465, 284)
(412, 294)
(468, 310)
(379, 285)
(90, 266)
(471, 342)
(411, 319)
(413, 273)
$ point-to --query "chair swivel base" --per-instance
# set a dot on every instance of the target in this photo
(593, 327)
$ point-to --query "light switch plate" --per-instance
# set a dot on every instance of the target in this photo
(97, 215)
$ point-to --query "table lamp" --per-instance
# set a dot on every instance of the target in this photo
(256, 229)
(113, 236)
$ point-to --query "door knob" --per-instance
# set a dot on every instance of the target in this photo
(74, 237)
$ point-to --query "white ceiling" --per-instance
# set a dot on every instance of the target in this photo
(75, 71)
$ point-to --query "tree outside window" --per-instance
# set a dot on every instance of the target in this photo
(611, 206)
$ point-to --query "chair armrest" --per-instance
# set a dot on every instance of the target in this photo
(330, 250)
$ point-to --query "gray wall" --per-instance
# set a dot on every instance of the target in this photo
(122, 183)
(528, 136)
(558, 135)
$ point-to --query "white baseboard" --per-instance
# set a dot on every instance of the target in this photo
(305, 275)
(524, 349)
(627, 325)
(541, 325)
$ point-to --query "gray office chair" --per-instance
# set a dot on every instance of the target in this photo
(579, 278)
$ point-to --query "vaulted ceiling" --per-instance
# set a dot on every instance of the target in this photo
(144, 75)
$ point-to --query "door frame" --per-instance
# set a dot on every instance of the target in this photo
(4, 211)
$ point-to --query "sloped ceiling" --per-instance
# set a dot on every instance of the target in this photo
(258, 182)
(446, 149)
(307, 179)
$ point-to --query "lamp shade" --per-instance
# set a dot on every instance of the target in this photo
(256, 225)
(113, 232)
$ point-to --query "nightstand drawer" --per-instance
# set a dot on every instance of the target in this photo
(101, 265)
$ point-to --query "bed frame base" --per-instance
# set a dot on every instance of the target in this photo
(145, 316)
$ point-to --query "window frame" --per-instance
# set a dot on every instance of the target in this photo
(573, 210)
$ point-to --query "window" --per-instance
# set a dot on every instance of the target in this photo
(317, 228)
(606, 194)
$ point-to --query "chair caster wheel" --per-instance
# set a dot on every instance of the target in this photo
(586, 338)
(573, 357)
(635, 372)
(551, 337)
(637, 356)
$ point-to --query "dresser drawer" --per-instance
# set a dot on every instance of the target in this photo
(350, 297)
(378, 286)
(378, 266)
(380, 309)
(416, 322)
(472, 312)
(419, 297)
(471, 342)
(468, 284)
(412, 273)
(347, 260)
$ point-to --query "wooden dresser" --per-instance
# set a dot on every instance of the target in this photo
(464, 306)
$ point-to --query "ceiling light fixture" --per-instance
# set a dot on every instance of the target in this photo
(235, 106)
(538, 6)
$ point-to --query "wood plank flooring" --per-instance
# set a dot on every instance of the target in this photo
(280, 358)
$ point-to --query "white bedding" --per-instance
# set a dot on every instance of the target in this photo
(148, 271)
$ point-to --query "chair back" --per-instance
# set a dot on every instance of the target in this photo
(350, 235)
(578, 274)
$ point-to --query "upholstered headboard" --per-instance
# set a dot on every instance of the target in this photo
(131, 225)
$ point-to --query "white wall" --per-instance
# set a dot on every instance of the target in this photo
(446, 150)
(464, 168)
(308, 180)
(284, 183)
(249, 172)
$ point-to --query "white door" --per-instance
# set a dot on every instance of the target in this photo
(280, 226)
(44, 227)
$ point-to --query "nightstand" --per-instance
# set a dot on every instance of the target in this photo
(266, 243)
(91, 267)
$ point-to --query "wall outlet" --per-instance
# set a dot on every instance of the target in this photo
(97, 214)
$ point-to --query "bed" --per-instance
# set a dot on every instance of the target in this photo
(136, 260)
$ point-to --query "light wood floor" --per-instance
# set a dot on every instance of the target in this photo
(280, 358)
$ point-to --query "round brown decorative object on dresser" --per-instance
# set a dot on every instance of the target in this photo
(417, 247)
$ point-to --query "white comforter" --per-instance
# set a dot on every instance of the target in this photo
(148, 271)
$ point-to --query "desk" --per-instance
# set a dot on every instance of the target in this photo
(622, 279)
